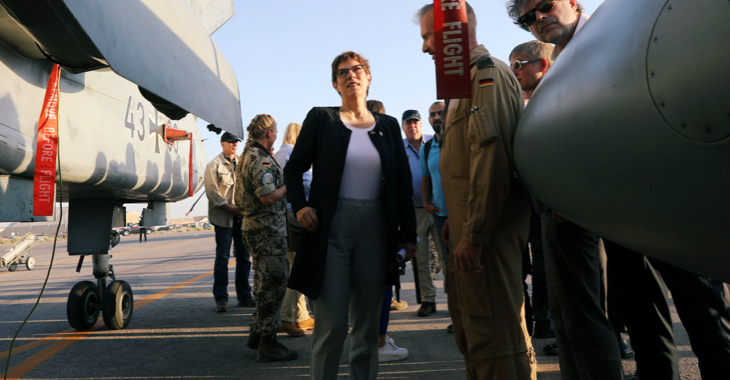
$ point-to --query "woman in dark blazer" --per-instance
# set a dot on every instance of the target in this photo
(359, 214)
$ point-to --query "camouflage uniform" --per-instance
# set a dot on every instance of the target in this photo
(264, 232)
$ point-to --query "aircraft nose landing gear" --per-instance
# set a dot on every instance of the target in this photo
(86, 299)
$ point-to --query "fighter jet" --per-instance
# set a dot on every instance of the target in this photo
(628, 134)
(136, 74)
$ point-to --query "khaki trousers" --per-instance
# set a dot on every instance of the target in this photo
(487, 309)
(423, 257)
(294, 306)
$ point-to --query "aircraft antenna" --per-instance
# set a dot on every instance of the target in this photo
(196, 202)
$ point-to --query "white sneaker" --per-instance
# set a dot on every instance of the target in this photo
(390, 352)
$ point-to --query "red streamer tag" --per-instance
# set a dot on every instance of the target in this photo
(44, 178)
(451, 32)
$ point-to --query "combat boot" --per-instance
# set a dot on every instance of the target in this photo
(271, 350)
(253, 341)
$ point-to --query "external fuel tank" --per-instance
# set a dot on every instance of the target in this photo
(628, 133)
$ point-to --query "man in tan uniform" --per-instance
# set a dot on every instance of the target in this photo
(488, 217)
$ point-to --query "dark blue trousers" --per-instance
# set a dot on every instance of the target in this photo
(223, 239)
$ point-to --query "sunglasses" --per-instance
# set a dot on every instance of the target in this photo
(517, 64)
(529, 18)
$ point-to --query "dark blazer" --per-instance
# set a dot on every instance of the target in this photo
(322, 144)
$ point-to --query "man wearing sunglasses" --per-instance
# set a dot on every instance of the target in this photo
(551, 21)
(529, 62)
(588, 345)
(488, 215)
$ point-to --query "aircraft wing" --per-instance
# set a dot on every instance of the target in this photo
(212, 13)
(154, 44)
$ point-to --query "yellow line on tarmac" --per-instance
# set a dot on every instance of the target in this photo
(68, 337)
(71, 336)
(64, 333)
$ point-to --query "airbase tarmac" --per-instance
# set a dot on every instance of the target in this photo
(175, 332)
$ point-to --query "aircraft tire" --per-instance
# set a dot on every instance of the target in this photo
(125, 233)
(81, 309)
(30, 263)
(118, 305)
(13, 267)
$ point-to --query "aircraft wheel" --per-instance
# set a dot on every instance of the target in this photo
(118, 305)
(13, 267)
(30, 263)
(125, 233)
(82, 308)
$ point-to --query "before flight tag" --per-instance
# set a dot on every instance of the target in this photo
(44, 176)
(451, 34)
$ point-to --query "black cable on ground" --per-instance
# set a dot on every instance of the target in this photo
(53, 255)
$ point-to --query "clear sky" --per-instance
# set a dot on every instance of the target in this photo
(281, 51)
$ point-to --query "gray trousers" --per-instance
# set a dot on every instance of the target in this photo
(354, 281)
(587, 345)
(423, 257)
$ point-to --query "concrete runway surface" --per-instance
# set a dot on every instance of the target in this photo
(175, 332)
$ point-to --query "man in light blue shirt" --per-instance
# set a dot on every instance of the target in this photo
(433, 195)
(413, 142)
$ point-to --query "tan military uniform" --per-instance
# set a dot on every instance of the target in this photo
(264, 232)
(487, 206)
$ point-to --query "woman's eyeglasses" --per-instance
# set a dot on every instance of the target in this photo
(357, 70)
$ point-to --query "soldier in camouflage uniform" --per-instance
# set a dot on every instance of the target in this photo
(260, 197)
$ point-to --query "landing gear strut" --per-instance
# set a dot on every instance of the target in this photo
(90, 221)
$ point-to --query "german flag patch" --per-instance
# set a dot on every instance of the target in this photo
(486, 82)
(266, 164)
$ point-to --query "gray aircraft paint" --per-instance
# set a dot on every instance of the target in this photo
(110, 136)
(627, 135)
(111, 147)
(166, 41)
